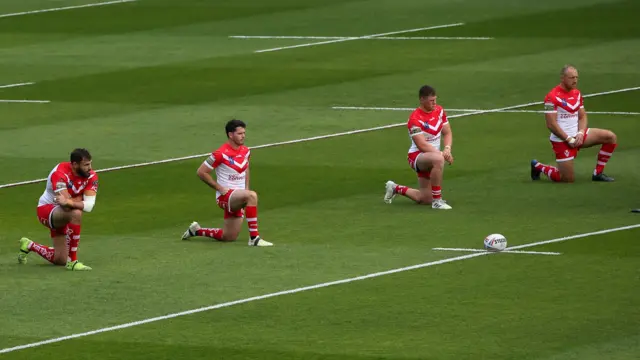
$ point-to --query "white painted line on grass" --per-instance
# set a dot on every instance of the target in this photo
(601, 232)
(15, 85)
(298, 290)
(474, 110)
(503, 251)
(359, 37)
(351, 132)
(25, 101)
(66, 8)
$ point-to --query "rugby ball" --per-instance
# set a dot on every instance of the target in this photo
(495, 242)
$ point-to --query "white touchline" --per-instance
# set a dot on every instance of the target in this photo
(301, 289)
(65, 8)
(319, 137)
(359, 37)
(473, 110)
(503, 251)
(25, 101)
(15, 85)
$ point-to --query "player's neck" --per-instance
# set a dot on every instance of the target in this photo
(425, 109)
(563, 87)
(233, 145)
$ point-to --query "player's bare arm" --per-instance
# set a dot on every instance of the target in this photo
(422, 143)
(86, 204)
(246, 181)
(204, 173)
(554, 127)
(447, 137)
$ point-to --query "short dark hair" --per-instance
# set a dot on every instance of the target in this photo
(79, 154)
(427, 90)
(233, 124)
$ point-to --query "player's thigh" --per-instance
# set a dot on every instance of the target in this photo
(566, 170)
(239, 198)
(425, 189)
(426, 161)
(232, 227)
(60, 217)
(597, 136)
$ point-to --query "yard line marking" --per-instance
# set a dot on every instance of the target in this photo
(606, 231)
(15, 85)
(359, 37)
(503, 251)
(351, 132)
(298, 290)
(66, 8)
(473, 110)
(25, 101)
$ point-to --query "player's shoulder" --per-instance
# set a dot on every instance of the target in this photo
(554, 93)
(415, 115)
(222, 149)
(93, 175)
(554, 90)
(63, 168)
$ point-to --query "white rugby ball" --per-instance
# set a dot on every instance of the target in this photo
(495, 242)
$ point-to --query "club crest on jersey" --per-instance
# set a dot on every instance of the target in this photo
(564, 102)
(566, 153)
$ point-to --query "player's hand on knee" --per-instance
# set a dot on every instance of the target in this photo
(448, 157)
(579, 140)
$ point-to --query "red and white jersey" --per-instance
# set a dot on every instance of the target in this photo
(427, 124)
(231, 166)
(567, 105)
(63, 178)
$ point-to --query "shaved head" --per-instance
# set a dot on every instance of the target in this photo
(569, 77)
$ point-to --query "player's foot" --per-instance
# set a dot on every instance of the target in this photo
(390, 191)
(77, 266)
(24, 250)
(535, 173)
(602, 177)
(440, 205)
(257, 241)
(191, 231)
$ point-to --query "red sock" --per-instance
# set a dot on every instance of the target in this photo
(73, 239)
(436, 192)
(210, 232)
(552, 172)
(401, 189)
(606, 150)
(252, 221)
(44, 251)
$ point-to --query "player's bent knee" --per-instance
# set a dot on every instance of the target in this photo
(60, 260)
(226, 236)
(567, 178)
(76, 215)
(613, 139)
